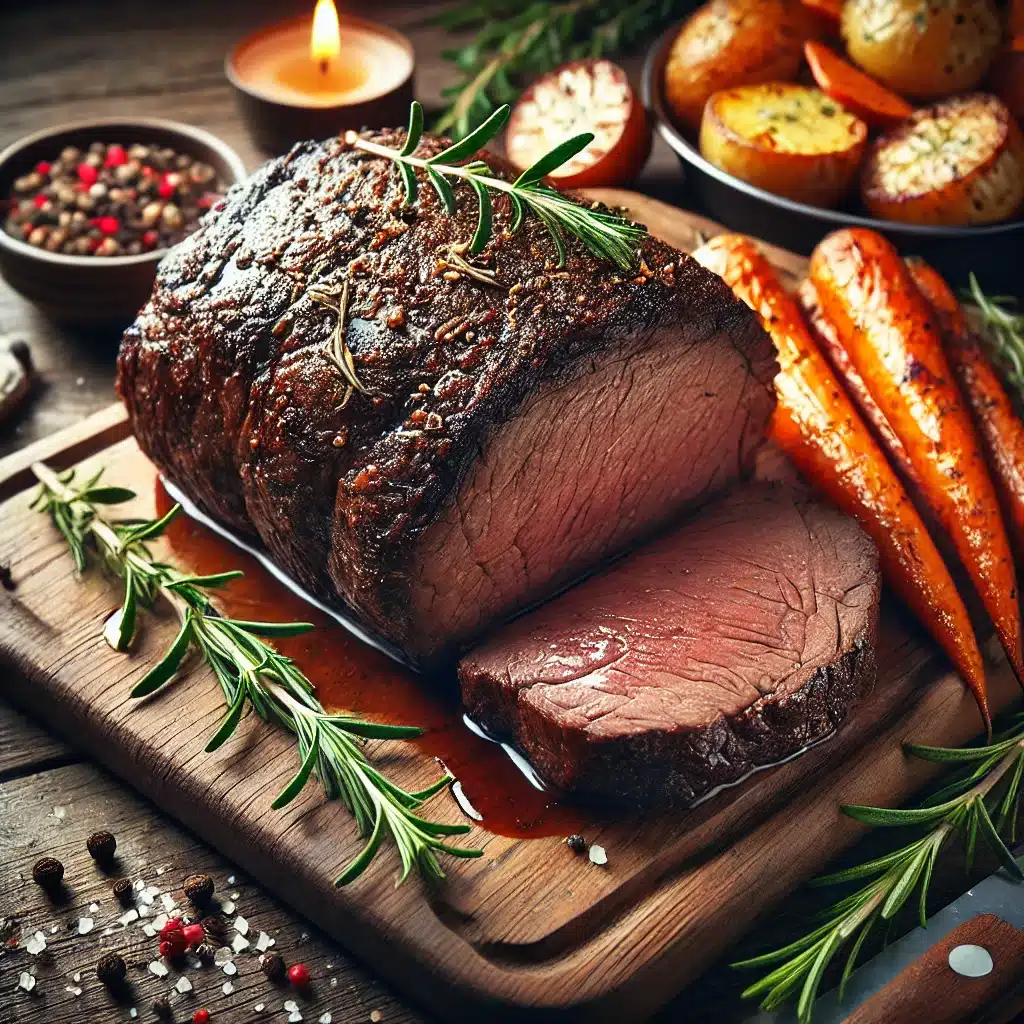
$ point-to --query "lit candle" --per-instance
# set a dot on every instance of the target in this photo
(307, 78)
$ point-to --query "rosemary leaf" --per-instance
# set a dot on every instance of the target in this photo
(604, 234)
(254, 676)
(798, 968)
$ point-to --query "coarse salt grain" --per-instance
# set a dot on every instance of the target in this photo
(128, 917)
(290, 1005)
(145, 911)
(259, 1007)
(183, 985)
(138, 885)
(238, 943)
(26, 981)
(241, 925)
(334, 982)
(54, 929)
(149, 930)
(231, 879)
(326, 1018)
(157, 968)
(222, 956)
(227, 907)
(264, 942)
(85, 925)
(146, 897)
(597, 855)
(159, 921)
(375, 1016)
(168, 902)
(36, 944)
(227, 988)
(93, 907)
(59, 813)
(133, 1012)
(76, 977)
(73, 989)
(294, 1017)
(229, 968)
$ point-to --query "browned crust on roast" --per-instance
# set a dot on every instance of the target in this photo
(230, 391)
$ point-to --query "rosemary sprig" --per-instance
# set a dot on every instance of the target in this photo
(604, 234)
(1004, 333)
(517, 38)
(967, 806)
(338, 351)
(252, 674)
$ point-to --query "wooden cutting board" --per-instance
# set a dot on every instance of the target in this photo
(529, 925)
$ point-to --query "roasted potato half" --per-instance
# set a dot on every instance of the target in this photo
(788, 139)
(733, 42)
(958, 162)
(922, 48)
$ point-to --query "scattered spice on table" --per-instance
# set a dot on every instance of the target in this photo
(48, 872)
(199, 889)
(101, 846)
(273, 966)
(111, 200)
(111, 970)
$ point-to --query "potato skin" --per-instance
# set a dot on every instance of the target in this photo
(787, 139)
(733, 42)
(959, 162)
(922, 48)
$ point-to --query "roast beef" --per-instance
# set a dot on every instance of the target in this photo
(728, 644)
(515, 433)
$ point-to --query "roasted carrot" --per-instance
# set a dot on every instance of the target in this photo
(827, 338)
(1001, 430)
(859, 93)
(819, 428)
(895, 345)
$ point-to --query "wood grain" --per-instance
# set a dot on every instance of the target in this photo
(930, 990)
(528, 925)
(56, 812)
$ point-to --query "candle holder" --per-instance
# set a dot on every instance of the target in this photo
(279, 115)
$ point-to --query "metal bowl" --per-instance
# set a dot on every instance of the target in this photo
(91, 289)
(990, 250)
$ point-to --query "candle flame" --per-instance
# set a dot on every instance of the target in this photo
(325, 38)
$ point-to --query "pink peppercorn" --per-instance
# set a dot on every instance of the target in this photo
(108, 225)
(87, 174)
(40, 201)
(150, 239)
(201, 1017)
(43, 167)
(115, 156)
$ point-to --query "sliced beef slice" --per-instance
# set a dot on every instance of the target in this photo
(729, 644)
(515, 434)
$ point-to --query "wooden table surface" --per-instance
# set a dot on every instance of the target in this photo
(77, 59)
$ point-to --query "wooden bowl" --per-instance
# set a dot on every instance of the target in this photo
(96, 289)
(992, 251)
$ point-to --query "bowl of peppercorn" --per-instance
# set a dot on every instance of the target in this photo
(87, 210)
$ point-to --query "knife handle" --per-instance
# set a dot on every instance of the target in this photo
(930, 990)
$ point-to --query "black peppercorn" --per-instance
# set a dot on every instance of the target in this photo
(101, 846)
(272, 965)
(198, 889)
(206, 953)
(111, 969)
(162, 1006)
(576, 843)
(214, 926)
(6, 577)
(123, 889)
(48, 872)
